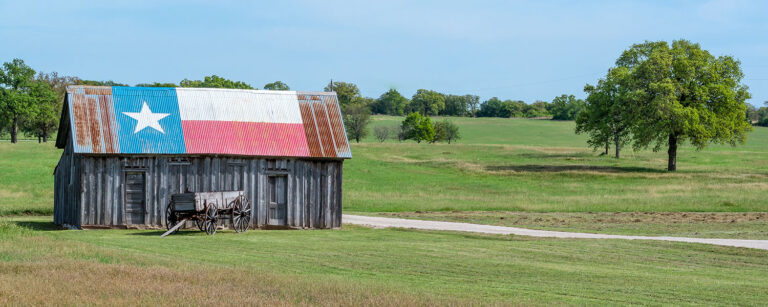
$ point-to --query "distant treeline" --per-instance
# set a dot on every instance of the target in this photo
(31, 102)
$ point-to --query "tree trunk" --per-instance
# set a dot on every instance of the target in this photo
(39, 139)
(45, 136)
(672, 162)
(607, 147)
(15, 130)
(618, 145)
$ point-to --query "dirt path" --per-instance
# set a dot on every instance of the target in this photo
(385, 222)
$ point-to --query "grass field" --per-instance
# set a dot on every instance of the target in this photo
(360, 266)
(529, 165)
(524, 173)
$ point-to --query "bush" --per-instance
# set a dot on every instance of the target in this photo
(382, 133)
(446, 130)
(418, 128)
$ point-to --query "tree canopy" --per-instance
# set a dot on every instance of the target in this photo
(418, 128)
(666, 95)
(215, 81)
(157, 84)
(427, 102)
(346, 92)
(356, 119)
(277, 86)
(565, 107)
(16, 104)
(391, 103)
(607, 116)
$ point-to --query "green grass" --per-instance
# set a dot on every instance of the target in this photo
(26, 177)
(409, 267)
(541, 166)
(532, 173)
(735, 225)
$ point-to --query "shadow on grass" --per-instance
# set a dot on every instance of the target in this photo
(565, 155)
(157, 233)
(38, 226)
(544, 168)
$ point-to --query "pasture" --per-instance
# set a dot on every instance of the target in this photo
(526, 173)
(362, 266)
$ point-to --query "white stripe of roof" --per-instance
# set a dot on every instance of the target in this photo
(239, 105)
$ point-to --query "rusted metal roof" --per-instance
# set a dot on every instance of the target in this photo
(143, 120)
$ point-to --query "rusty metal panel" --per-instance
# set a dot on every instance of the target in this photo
(92, 119)
(310, 128)
(323, 126)
(337, 126)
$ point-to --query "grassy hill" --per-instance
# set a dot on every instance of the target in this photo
(541, 166)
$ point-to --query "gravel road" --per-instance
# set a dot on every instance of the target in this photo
(385, 222)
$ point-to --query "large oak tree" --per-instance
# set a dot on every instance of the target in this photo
(682, 93)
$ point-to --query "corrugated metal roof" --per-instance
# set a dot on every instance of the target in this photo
(139, 120)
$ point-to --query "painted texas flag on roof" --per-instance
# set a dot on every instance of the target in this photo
(140, 120)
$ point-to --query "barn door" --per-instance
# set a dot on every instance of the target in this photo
(135, 197)
(277, 205)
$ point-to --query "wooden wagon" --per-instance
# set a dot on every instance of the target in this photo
(207, 209)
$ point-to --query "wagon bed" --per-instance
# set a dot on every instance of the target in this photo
(206, 209)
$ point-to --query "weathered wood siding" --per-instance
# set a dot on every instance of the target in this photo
(313, 187)
(66, 188)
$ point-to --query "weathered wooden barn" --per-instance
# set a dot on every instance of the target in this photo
(128, 149)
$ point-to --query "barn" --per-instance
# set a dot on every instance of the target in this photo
(128, 149)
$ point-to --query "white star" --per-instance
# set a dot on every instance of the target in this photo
(146, 118)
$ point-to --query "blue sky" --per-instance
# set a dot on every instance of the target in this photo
(524, 50)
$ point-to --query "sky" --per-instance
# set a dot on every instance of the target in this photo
(526, 50)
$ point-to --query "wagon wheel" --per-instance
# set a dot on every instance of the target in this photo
(241, 214)
(200, 224)
(211, 217)
(171, 218)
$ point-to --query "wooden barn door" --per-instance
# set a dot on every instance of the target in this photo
(135, 197)
(277, 205)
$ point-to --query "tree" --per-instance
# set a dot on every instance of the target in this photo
(427, 102)
(446, 130)
(565, 107)
(346, 92)
(472, 102)
(607, 116)
(157, 84)
(16, 105)
(390, 103)
(762, 115)
(356, 120)
(277, 86)
(418, 128)
(459, 105)
(46, 117)
(215, 81)
(536, 109)
(100, 83)
(752, 116)
(683, 93)
(382, 133)
(493, 107)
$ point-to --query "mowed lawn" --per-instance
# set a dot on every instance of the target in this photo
(361, 266)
